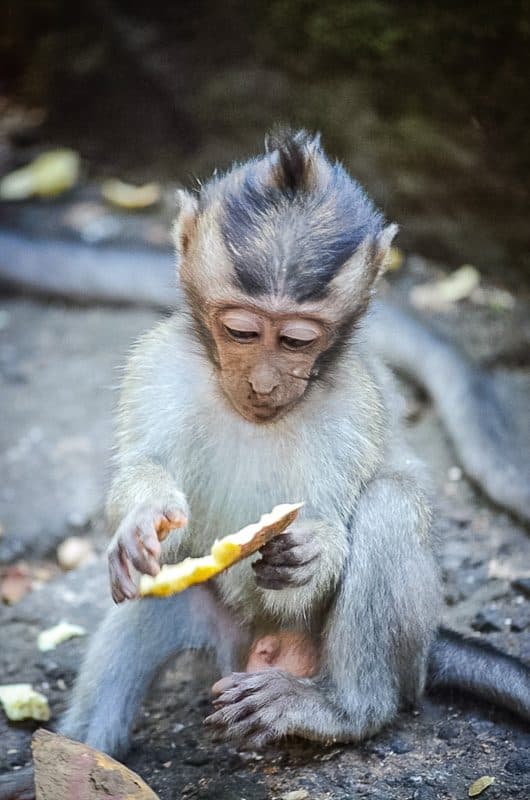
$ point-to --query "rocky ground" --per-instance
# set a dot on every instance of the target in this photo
(58, 368)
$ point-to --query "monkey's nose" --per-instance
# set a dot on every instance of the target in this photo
(264, 379)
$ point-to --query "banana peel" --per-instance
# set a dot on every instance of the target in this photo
(225, 552)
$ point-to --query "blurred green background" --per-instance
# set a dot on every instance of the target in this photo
(427, 103)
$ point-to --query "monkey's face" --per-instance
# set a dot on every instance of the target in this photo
(265, 359)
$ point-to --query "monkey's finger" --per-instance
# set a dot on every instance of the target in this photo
(226, 722)
(252, 697)
(147, 534)
(139, 556)
(281, 543)
(232, 712)
(273, 577)
(240, 684)
(122, 585)
(295, 557)
(168, 521)
(226, 682)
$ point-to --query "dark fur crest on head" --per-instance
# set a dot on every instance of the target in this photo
(292, 168)
(292, 219)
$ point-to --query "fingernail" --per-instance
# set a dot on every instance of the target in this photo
(222, 685)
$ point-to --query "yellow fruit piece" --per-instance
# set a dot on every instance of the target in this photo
(124, 195)
(225, 552)
(478, 786)
(51, 637)
(21, 701)
(47, 175)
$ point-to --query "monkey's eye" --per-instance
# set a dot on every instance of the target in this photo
(290, 343)
(241, 336)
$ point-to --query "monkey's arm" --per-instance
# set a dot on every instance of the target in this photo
(302, 567)
(376, 640)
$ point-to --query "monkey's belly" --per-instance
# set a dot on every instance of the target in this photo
(296, 653)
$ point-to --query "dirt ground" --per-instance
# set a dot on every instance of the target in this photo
(58, 369)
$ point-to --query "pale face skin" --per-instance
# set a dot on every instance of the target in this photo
(266, 358)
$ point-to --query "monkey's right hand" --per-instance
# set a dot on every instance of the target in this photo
(136, 544)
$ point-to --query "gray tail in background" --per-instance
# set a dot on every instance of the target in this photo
(470, 665)
(484, 435)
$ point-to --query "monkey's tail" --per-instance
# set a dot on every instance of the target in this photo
(469, 665)
(483, 435)
(100, 273)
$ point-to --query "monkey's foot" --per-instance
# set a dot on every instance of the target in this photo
(252, 707)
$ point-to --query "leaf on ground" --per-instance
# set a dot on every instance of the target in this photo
(75, 771)
(15, 582)
(478, 786)
(441, 294)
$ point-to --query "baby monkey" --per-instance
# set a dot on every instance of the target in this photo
(261, 389)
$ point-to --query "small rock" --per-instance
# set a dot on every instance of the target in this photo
(488, 620)
(425, 793)
(197, 759)
(448, 731)
(520, 620)
(74, 552)
(297, 794)
(522, 585)
(454, 474)
(400, 746)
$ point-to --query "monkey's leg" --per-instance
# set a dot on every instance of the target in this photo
(133, 643)
(375, 641)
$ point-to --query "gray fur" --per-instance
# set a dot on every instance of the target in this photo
(374, 599)
(291, 219)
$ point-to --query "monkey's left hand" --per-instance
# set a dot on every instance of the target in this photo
(251, 706)
(290, 559)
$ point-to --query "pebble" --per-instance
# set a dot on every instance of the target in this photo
(454, 474)
(400, 746)
(297, 794)
(520, 619)
(448, 731)
(522, 585)
(74, 552)
(425, 793)
(488, 620)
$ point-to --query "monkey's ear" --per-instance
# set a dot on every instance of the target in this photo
(353, 284)
(386, 237)
(381, 255)
(186, 222)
